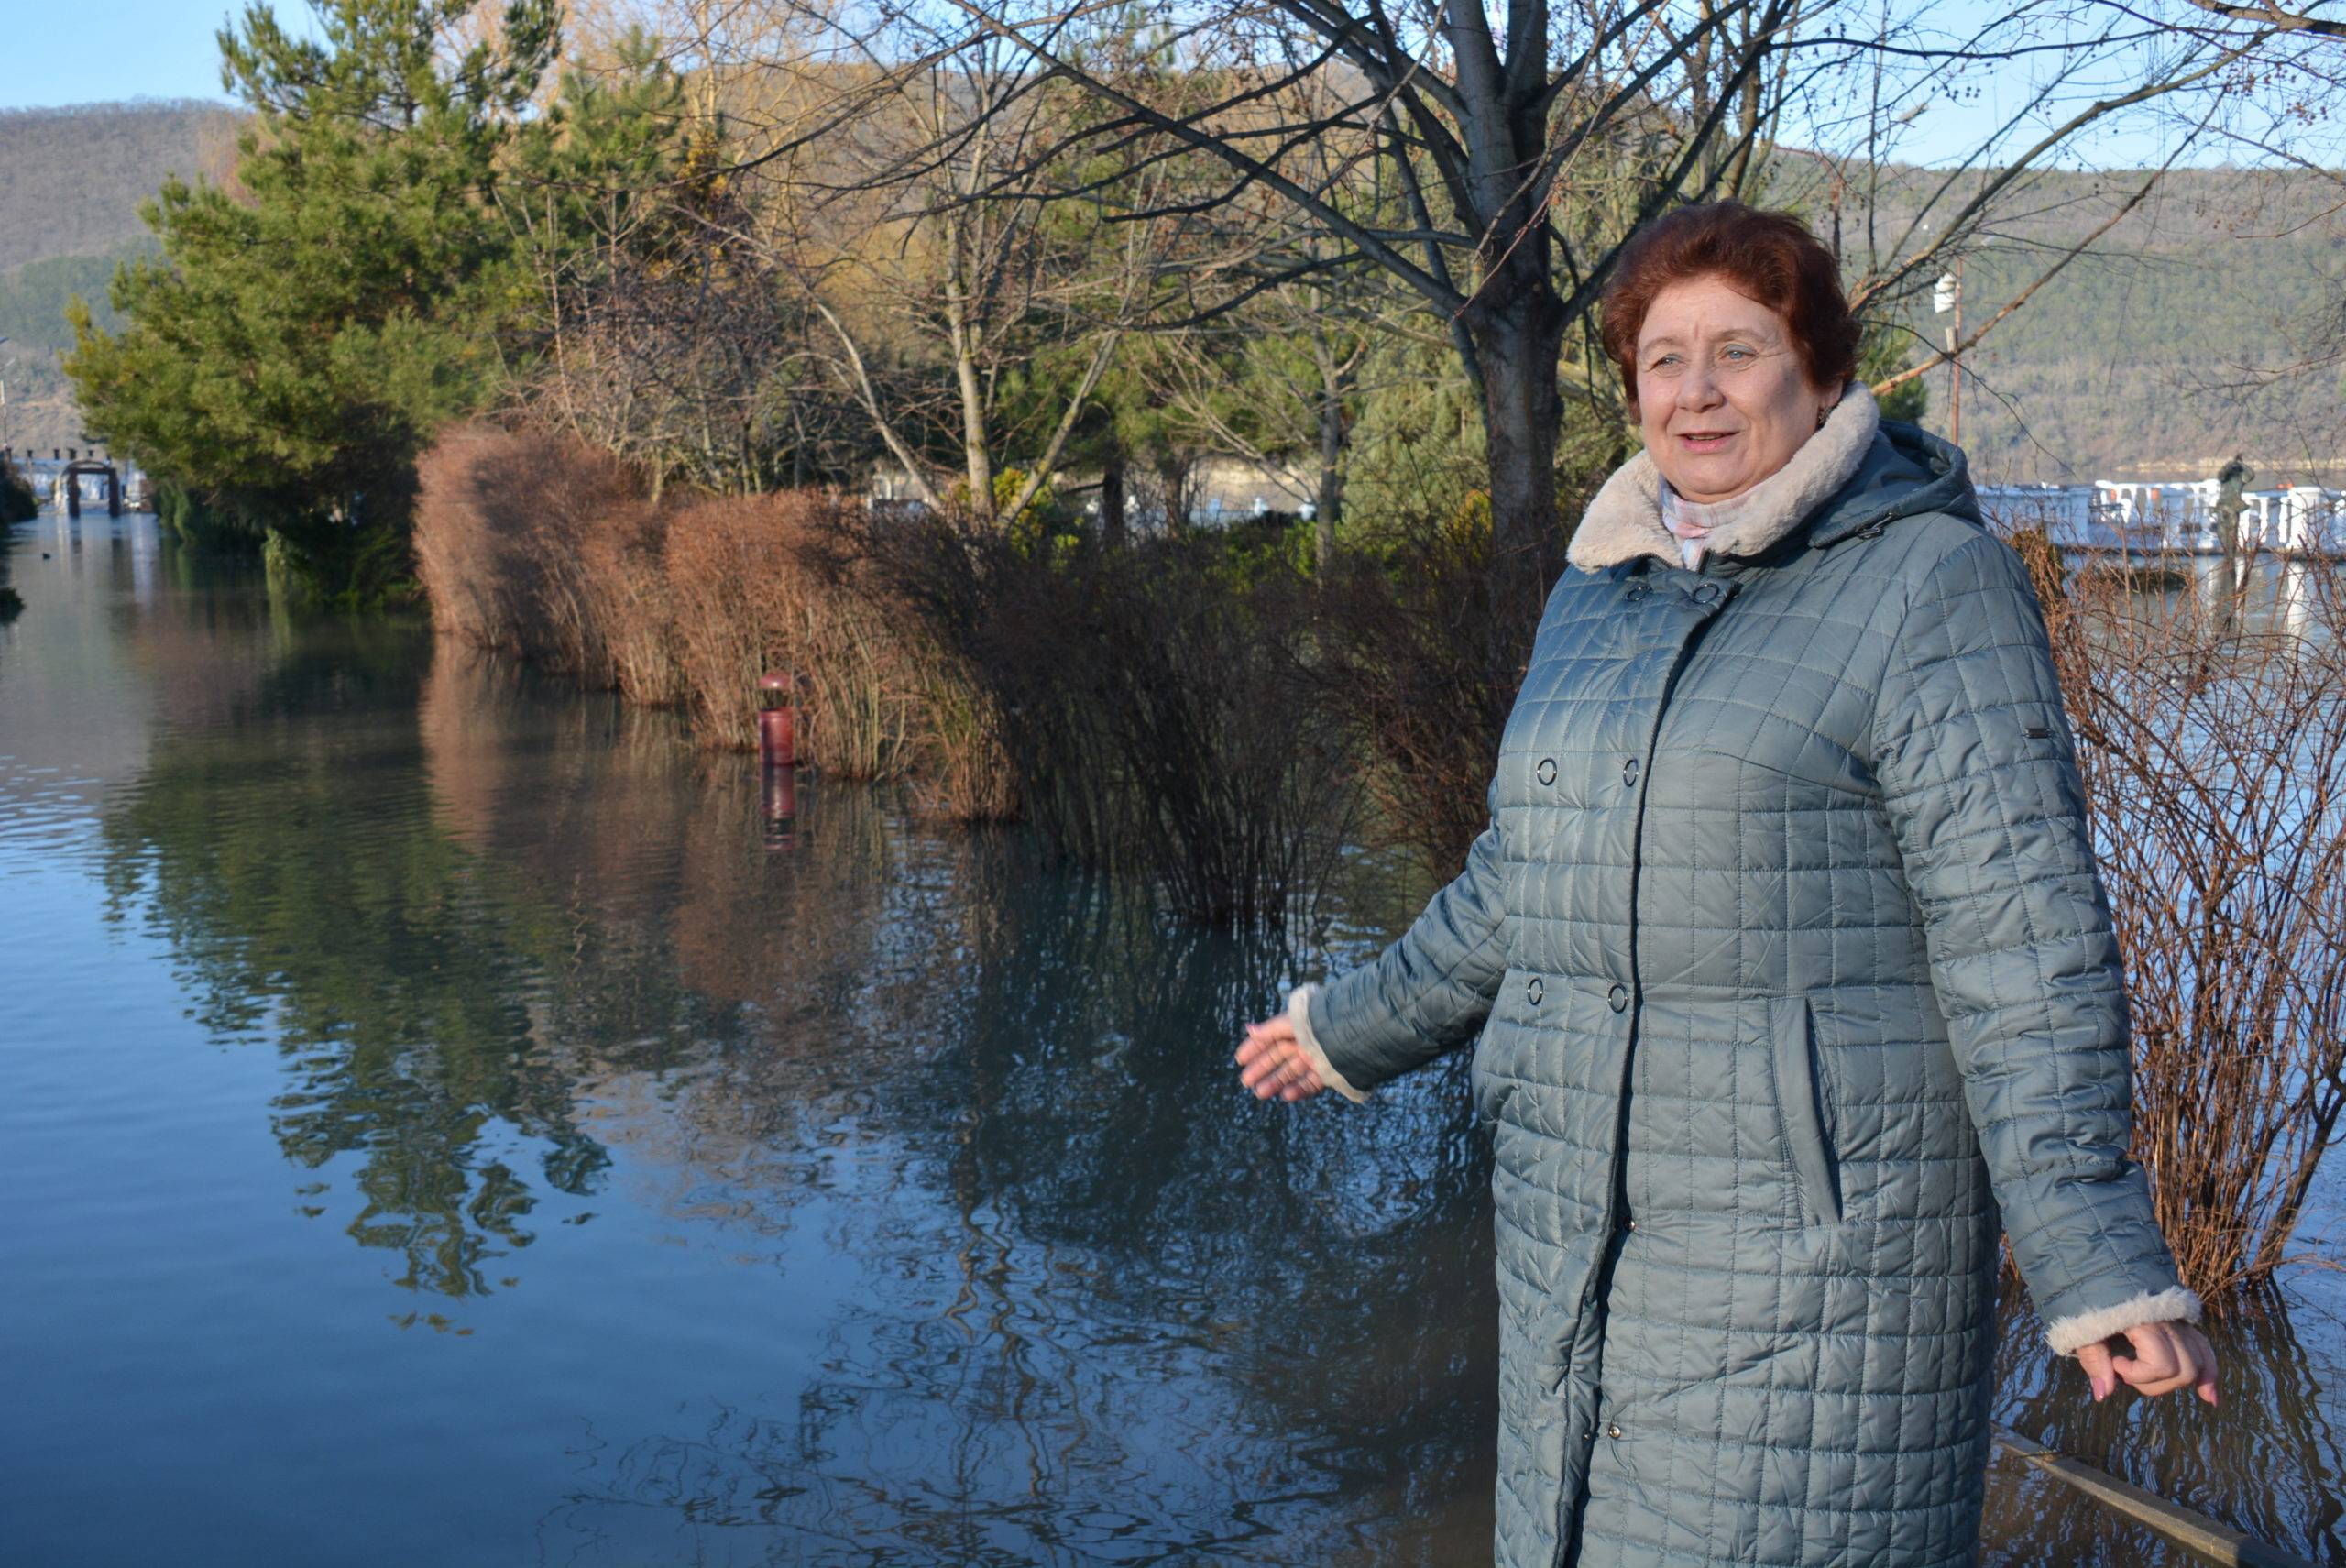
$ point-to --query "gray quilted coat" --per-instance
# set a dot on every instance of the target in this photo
(1794, 984)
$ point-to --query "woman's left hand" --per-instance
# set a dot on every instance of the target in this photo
(2166, 1356)
(1274, 1064)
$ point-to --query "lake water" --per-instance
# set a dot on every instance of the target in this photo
(445, 1120)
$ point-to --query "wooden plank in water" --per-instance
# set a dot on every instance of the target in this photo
(2198, 1532)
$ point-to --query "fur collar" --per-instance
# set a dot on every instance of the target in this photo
(1625, 519)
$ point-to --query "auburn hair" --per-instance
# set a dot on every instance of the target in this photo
(1770, 257)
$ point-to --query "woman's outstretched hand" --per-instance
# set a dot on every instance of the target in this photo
(1272, 1064)
(2166, 1356)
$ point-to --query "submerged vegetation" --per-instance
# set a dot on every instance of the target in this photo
(17, 502)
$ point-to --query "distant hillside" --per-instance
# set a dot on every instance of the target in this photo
(2211, 319)
(71, 181)
(2149, 358)
(32, 318)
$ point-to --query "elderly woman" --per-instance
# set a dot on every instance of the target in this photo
(1791, 967)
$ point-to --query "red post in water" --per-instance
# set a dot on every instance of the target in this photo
(777, 723)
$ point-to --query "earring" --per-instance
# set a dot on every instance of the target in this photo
(1821, 416)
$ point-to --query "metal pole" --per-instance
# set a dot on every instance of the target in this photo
(1955, 366)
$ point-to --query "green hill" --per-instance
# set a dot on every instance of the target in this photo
(2211, 319)
(71, 181)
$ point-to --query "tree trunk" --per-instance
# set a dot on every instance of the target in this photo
(1112, 498)
(961, 334)
(1331, 479)
(976, 460)
(1518, 330)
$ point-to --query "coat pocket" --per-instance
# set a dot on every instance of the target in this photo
(1486, 1080)
(1800, 1114)
(1478, 1074)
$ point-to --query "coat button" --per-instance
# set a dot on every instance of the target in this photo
(1534, 989)
(1707, 593)
(1633, 1224)
(1629, 770)
(1613, 1429)
(1546, 770)
(1619, 997)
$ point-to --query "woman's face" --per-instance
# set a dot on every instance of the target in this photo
(1722, 394)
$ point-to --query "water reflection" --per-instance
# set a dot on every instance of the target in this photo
(315, 905)
(1082, 1332)
(886, 1199)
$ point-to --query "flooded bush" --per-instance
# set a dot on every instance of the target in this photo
(2212, 746)
(1427, 646)
(517, 538)
(1149, 707)
(622, 582)
(540, 546)
(17, 501)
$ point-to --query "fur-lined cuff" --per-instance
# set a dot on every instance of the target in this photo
(2068, 1336)
(1298, 1013)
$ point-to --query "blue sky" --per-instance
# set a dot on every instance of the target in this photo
(81, 52)
(77, 51)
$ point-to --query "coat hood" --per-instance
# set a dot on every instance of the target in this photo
(1906, 471)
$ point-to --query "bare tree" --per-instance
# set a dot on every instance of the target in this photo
(2212, 746)
(955, 212)
(1491, 126)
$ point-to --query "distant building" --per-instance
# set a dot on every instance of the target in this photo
(2069, 514)
(1215, 492)
(2298, 519)
(2174, 517)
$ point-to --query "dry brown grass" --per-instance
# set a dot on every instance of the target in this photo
(768, 583)
(464, 520)
(623, 579)
(546, 548)
(543, 547)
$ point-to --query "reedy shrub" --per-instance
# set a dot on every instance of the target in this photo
(1426, 646)
(516, 536)
(542, 546)
(2211, 742)
(770, 583)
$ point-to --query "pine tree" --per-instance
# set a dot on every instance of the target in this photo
(308, 326)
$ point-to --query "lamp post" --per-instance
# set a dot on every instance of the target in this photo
(1947, 295)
